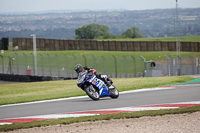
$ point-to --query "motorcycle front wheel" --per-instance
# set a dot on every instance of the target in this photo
(114, 93)
(92, 93)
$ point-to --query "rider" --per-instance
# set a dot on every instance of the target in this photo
(90, 71)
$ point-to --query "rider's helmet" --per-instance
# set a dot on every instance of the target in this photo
(78, 68)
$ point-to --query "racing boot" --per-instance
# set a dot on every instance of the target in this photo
(109, 84)
(107, 81)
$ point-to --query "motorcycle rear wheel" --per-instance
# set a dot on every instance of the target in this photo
(92, 93)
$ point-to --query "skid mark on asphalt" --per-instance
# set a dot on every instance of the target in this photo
(99, 112)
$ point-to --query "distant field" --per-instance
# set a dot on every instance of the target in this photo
(162, 39)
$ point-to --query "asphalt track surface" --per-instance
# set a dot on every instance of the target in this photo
(169, 95)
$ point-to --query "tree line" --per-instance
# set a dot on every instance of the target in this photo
(97, 31)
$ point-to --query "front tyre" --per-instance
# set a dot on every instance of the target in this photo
(114, 93)
(92, 93)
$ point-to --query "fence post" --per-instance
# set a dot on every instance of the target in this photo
(2, 63)
(179, 71)
(10, 65)
(192, 63)
(172, 65)
(58, 65)
(42, 63)
(67, 66)
(134, 65)
(197, 65)
(50, 67)
(115, 59)
(75, 60)
(145, 65)
(33, 65)
(26, 64)
(169, 65)
(17, 62)
(125, 66)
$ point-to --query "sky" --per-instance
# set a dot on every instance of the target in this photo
(16, 6)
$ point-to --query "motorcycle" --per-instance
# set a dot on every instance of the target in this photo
(96, 88)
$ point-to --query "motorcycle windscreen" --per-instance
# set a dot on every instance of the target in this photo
(81, 77)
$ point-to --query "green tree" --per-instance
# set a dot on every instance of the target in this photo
(132, 32)
(92, 31)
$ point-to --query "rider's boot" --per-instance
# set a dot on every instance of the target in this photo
(107, 81)
(109, 84)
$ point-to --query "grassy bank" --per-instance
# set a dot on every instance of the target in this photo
(27, 92)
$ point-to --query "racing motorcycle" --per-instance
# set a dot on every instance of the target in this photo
(96, 88)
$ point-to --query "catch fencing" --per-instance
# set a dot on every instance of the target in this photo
(63, 65)
(176, 66)
(113, 66)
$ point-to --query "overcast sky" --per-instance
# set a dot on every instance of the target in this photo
(7, 6)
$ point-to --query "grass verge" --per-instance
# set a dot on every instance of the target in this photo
(97, 118)
(162, 39)
(36, 91)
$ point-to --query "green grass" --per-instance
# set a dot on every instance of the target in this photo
(155, 55)
(35, 91)
(97, 118)
(162, 39)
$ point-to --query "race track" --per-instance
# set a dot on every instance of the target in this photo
(128, 99)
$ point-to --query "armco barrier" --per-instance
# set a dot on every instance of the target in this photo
(57, 45)
(27, 78)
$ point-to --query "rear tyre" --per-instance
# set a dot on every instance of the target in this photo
(92, 93)
(114, 93)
